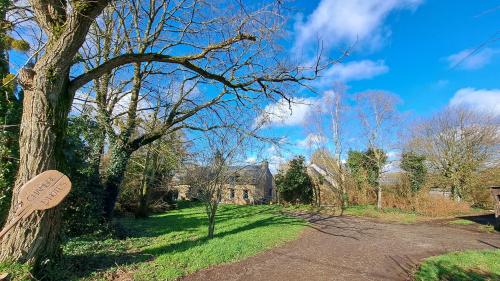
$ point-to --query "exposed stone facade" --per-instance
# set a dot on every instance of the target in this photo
(253, 184)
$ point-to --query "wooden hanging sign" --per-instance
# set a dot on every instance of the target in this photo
(42, 192)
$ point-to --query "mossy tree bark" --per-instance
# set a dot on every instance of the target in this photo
(46, 104)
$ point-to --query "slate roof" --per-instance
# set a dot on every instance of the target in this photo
(248, 174)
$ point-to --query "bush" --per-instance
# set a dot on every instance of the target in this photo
(426, 205)
(439, 207)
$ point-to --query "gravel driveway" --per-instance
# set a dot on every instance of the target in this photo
(349, 248)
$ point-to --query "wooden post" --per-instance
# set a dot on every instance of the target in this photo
(495, 192)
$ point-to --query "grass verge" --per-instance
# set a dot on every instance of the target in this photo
(461, 222)
(174, 244)
(17, 272)
(461, 266)
(386, 214)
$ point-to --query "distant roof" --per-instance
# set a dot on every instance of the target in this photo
(244, 174)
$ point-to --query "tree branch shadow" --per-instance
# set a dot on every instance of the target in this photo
(339, 226)
(85, 264)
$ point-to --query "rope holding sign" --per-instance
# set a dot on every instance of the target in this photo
(42, 192)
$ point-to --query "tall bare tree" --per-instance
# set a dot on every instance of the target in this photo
(180, 98)
(331, 142)
(457, 144)
(378, 115)
(235, 54)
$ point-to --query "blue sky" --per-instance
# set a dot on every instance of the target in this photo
(430, 53)
(422, 51)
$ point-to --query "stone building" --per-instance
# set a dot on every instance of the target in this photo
(251, 184)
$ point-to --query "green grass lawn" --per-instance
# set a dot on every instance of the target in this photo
(394, 215)
(17, 271)
(461, 222)
(461, 266)
(484, 228)
(386, 214)
(174, 244)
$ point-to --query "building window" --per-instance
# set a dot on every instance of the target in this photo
(270, 192)
(245, 194)
(231, 193)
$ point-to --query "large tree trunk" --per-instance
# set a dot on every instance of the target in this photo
(46, 104)
(45, 110)
(114, 175)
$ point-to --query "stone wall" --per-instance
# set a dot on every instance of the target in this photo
(235, 194)
(248, 185)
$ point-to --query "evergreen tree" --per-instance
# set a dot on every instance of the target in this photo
(355, 162)
(365, 166)
(295, 184)
(413, 164)
(374, 161)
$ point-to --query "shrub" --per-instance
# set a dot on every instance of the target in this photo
(438, 206)
(426, 205)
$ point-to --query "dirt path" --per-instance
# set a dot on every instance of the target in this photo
(351, 248)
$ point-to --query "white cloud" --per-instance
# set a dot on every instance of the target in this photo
(356, 70)
(311, 140)
(470, 60)
(483, 100)
(338, 21)
(81, 101)
(87, 99)
(275, 161)
(283, 113)
(275, 158)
